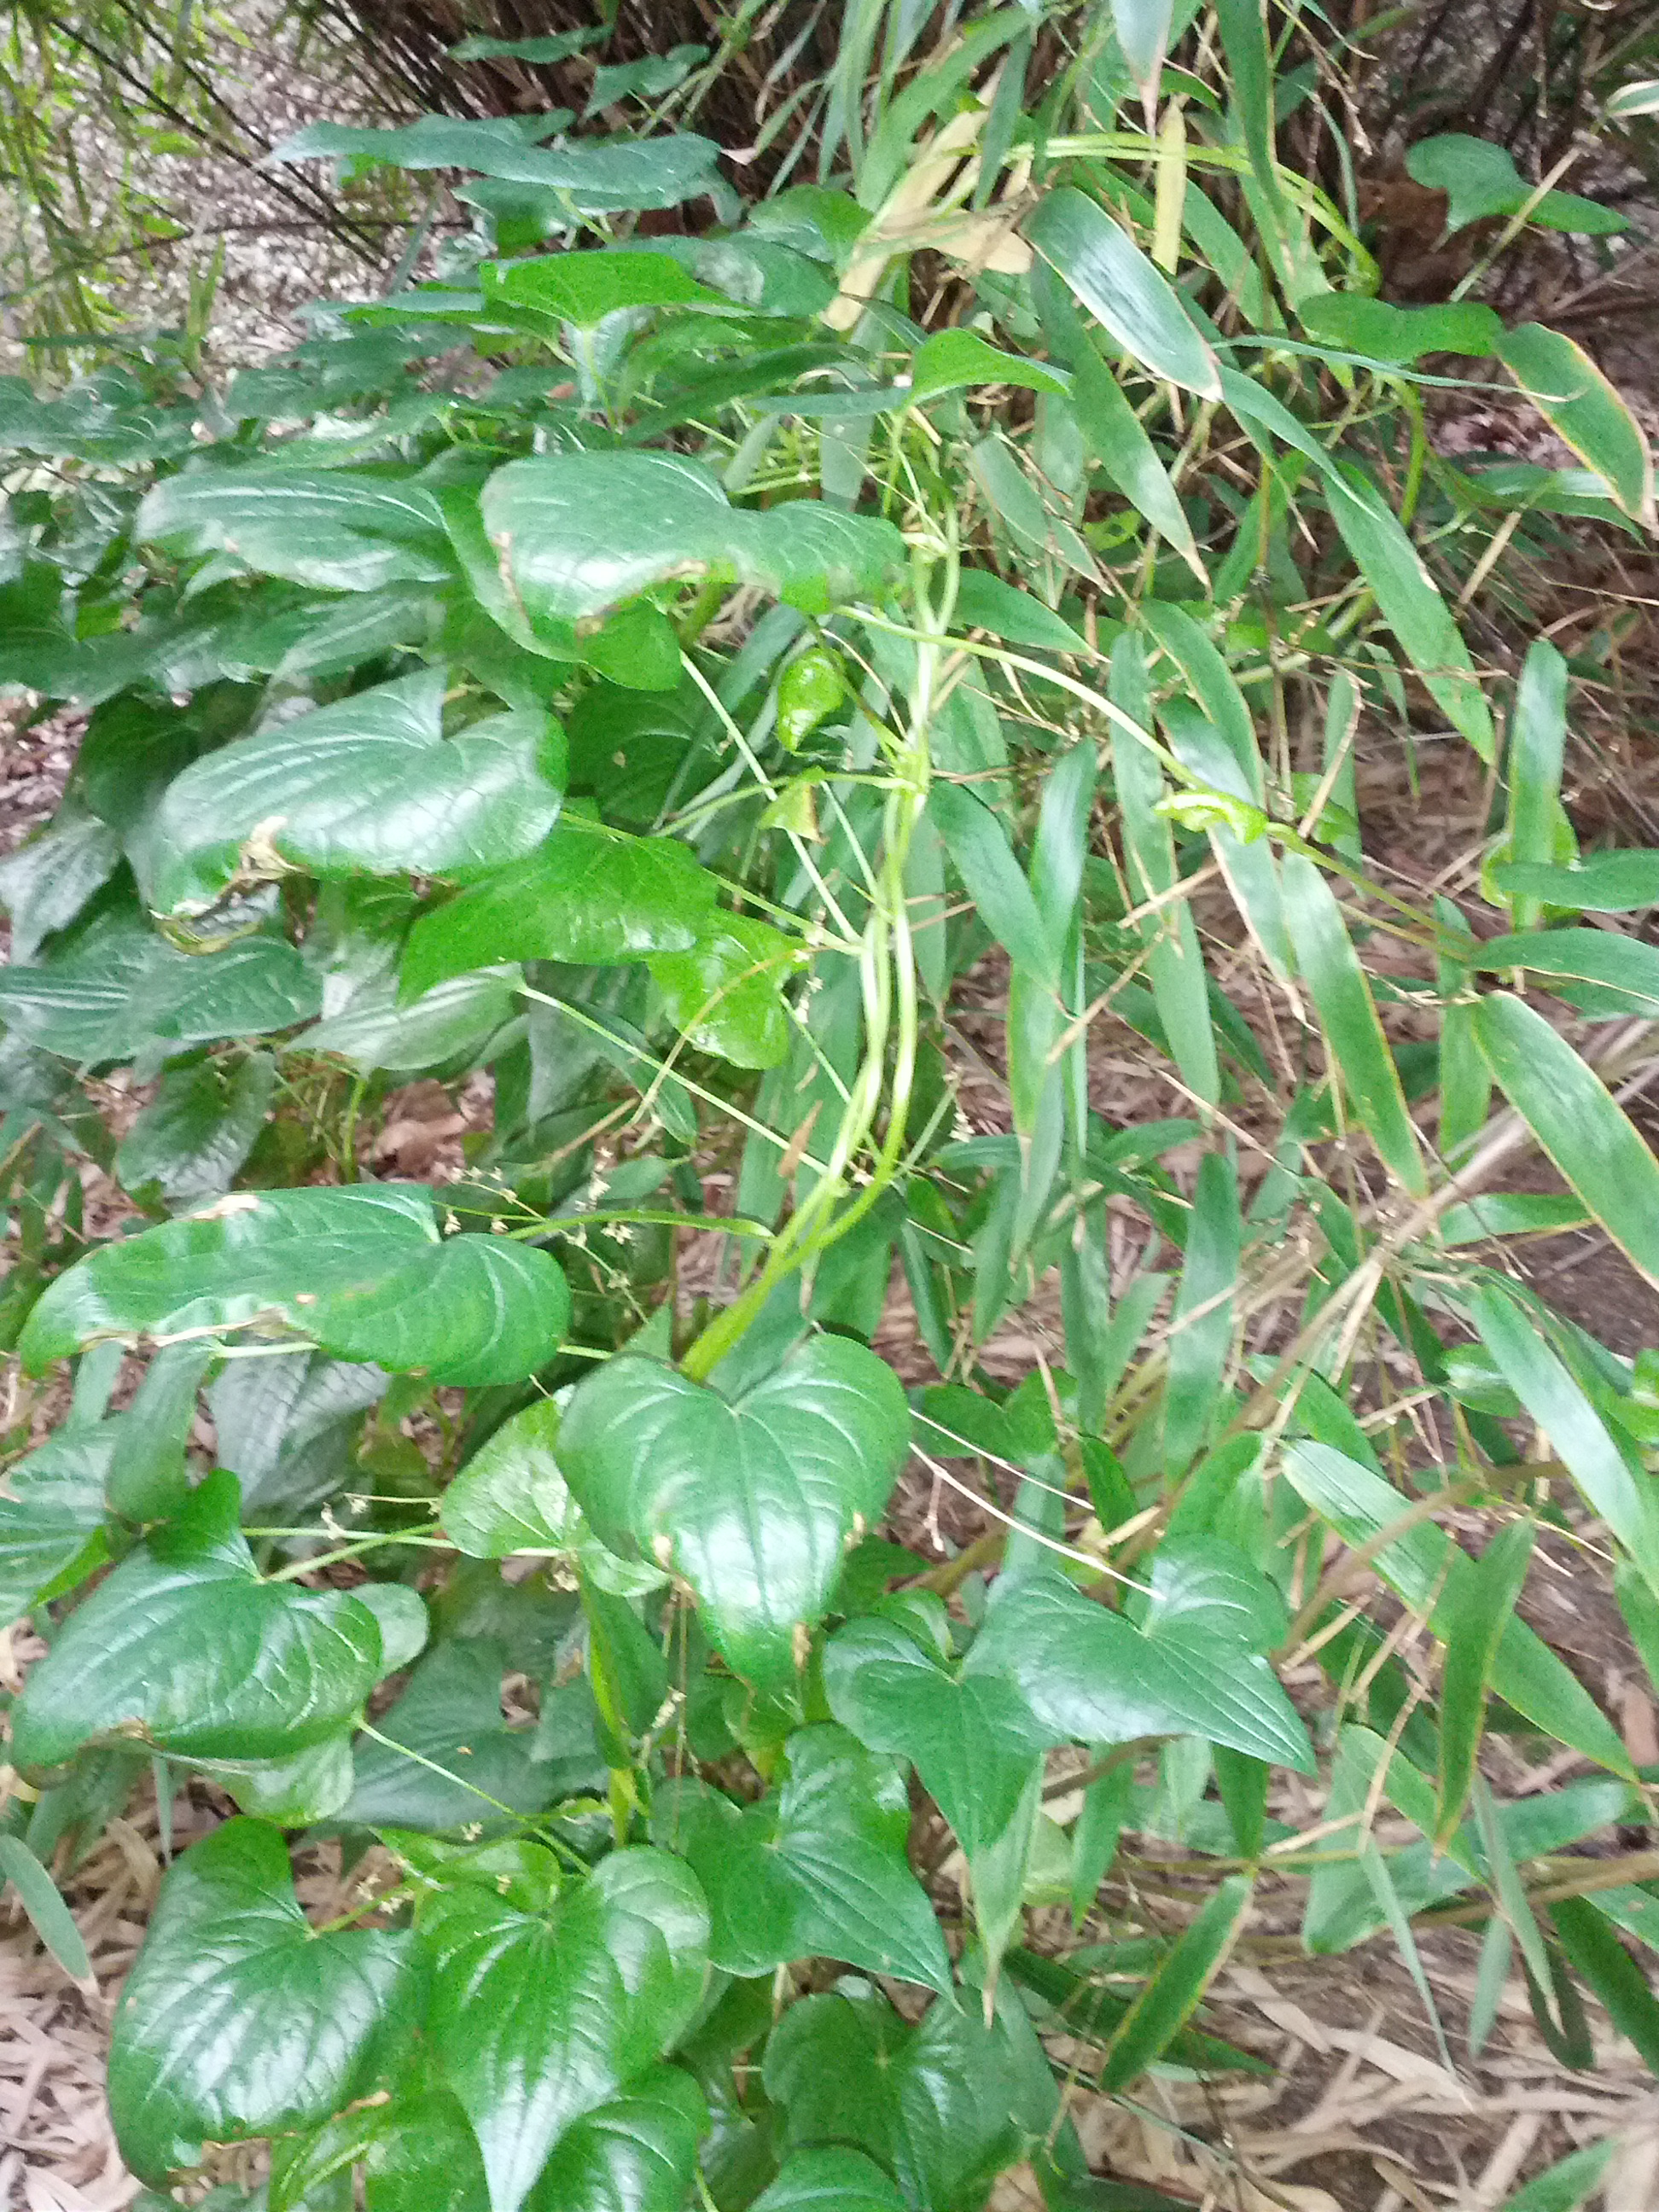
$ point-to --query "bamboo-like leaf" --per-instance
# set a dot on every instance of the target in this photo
(1474, 1617)
(1176, 965)
(1579, 405)
(1121, 288)
(1411, 605)
(1574, 1117)
(1354, 1035)
(1621, 1493)
(1537, 746)
(1170, 1998)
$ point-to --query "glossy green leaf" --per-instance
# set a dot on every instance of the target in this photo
(187, 1145)
(636, 2154)
(148, 1478)
(579, 533)
(1583, 409)
(1480, 179)
(1384, 331)
(1411, 603)
(362, 1272)
(1593, 1949)
(46, 883)
(183, 1647)
(1121, 288)
(337, 530)
(450, 1716)
(928, 2103)
(1596, 968)
(972, 1739)
(1620, 1493)
(724, 993)
(1476, 1610)
(453, 1021)
(51, 1522)
(237, 2020)
(1422, 1565)
(370, 784)
(123, 988)
(829, 2180)
(588, 896)
(510, 1496)
(817, 1870)
(979, 847)
(583, 288)
(1347, 1016)
(537, 2020)
(1110, 427)
(1143, 32)
(1641, 98)
(1170, 1997)
(985, 602)
(752, 1501)
(1180, 987)
(1089, 1677)
(1570, 1111)
(1246, 860)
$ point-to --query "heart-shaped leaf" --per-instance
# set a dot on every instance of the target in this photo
(580, 532)
(369, 783)
(51, 1525)
(187, 1146)
(752, 1501)
(120, 989)
(511, 1496)
(340, 530)
(928, 2103)
(972, 1740)
(817, 1870)
(362, 1272)
(536, 2021)
(588, 896)
(725, 992)
(1089, 1677)
(829, 2180)
(237, 2020)
(636, 2154)
(183, 1647)
(450, 1718)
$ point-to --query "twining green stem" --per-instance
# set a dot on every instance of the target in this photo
(891, 1015)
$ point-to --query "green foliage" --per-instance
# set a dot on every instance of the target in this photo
(990, 549)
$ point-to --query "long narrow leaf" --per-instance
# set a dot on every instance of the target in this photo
(1578, 1123)
(1170, 1998)
(1475, 1612)
(1353, 1036)
(1622, 1495)
(1537, 747)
